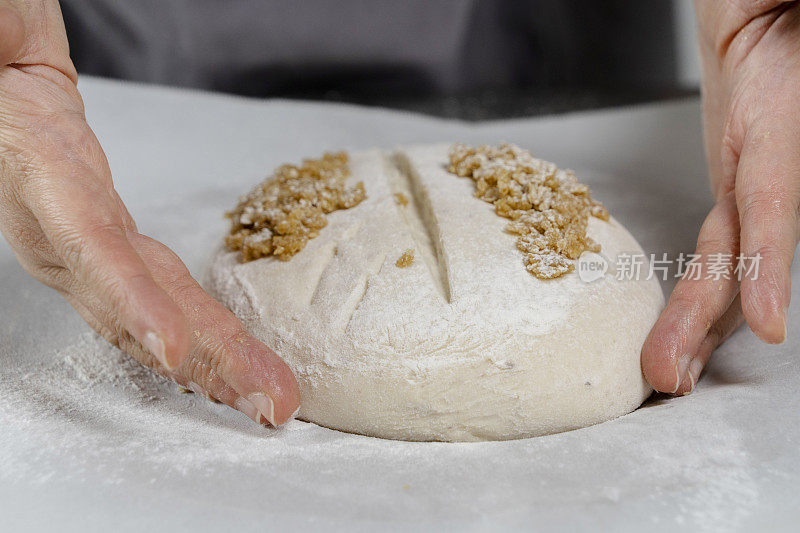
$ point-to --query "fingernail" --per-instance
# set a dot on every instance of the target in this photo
(775, 329)
(155, 345)
(264, 405)
(695, 369)
(681, 369)
(692, 377)
(246, 407)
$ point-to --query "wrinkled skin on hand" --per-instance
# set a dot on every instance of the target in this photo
(750, 52)
(70, 230)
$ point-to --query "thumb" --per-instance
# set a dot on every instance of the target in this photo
(12, 34)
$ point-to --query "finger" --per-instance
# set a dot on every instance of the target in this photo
(12, 34)
(206, 383)
(768, 196)
(694, 306)
(103, 259)
(81, 220)
(221, 345)
(210, 385)
(106, 323)
(719, 333)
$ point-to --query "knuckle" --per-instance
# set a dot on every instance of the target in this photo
(192, 368)
(65, 136)
(183, 292)
(770, 203)
(223, 355)
(712, 241)
(199, 372)
(753, 205)
(72, 248)
(719, 232)
(687, 299)
(773, 222)
(772, 253)
(103, 231)
(76, 246)
(219, 357)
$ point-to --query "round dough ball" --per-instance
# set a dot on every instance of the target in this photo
(461, 345)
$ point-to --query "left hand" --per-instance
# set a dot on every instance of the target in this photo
(69, 229)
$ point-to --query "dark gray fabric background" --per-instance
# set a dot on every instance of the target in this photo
(378, 51)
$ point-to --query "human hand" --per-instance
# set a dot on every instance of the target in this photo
(70, 230)
(751, 80)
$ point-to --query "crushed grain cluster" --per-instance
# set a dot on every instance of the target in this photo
(401, 199)
(281, 214)
(405, 259)
(548, 208)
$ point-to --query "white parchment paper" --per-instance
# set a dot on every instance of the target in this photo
(90, 440)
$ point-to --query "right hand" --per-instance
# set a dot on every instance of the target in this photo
(70, 230)
(750, 52)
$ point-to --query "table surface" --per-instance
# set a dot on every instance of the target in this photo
(91, 440)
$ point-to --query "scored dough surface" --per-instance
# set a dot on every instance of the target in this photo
(462, 344)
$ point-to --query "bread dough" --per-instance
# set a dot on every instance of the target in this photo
(463, 344)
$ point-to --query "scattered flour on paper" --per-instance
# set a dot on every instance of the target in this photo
(99, 403)
(98, 410)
